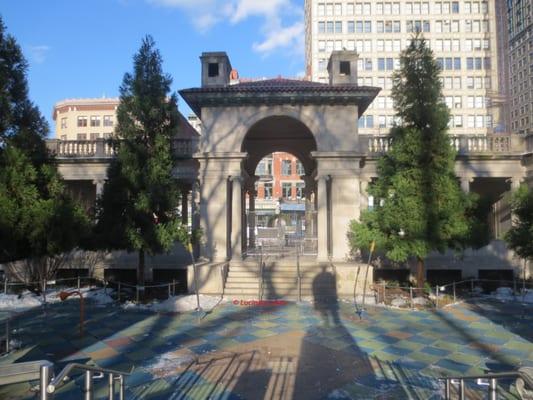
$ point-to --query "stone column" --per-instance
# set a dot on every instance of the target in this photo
(195, 216)
(322, 234)
(515, 182)
(345, 207)
(99, 183)
(363, 189)
(236, 219)
(465, 183)
(251, 217)
(309, 189)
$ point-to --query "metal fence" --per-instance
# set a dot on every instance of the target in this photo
(439, 296)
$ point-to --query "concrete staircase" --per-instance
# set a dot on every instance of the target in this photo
(280, 280)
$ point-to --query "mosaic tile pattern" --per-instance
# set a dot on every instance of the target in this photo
(289, 351)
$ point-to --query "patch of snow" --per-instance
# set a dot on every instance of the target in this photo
(167, 363)
(178, 304)
(19, 302)
(187, 303)
(420, 301)
(398, 302)
(27, 300)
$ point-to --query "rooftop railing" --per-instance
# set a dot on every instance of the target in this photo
(104, 149)
(463, 144)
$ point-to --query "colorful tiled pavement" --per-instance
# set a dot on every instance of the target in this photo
(281, 352)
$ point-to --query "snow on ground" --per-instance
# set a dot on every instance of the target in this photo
(178, 304)
(166, 364)
(506, 294)
(27, 299)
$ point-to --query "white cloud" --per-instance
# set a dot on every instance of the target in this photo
(207, 13)
(37, 54)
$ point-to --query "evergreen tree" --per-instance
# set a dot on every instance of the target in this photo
(37, 219)
(420, 206)
(138, 208)
(519, 237)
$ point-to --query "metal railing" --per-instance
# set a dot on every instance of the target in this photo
(49, 385)
(441, 295)
(490, 380)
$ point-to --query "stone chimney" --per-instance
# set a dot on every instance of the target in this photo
(216, 69)
(342, 67)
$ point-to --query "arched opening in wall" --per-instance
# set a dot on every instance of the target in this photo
(280, 189)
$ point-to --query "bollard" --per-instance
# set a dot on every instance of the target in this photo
(169, 291)
(437, 296)
(453, 291)
(45, 377)
(5, 286)
(78, 282)
(173, 287)
(493, 393)
(461, 389)
(111, 387)
(88, 386)
(384, 288)
(121, 387)
(411, 297)
(119, 291)
(7, 335)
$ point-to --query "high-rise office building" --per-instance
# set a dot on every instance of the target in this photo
(463, 35)
(521, 63)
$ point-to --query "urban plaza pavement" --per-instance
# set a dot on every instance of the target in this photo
(278, 351)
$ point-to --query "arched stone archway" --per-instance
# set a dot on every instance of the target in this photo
(270, 136)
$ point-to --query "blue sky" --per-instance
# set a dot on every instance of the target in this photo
(82, 48)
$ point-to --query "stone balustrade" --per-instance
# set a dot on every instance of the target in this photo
(102, 148)
(463, 144)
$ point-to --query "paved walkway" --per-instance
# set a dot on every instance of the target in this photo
(287, 351)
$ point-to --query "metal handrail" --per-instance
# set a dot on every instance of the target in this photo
(526, 374)
(51, 385)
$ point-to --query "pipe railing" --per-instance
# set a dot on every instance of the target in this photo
(49, 385)
(490, 380)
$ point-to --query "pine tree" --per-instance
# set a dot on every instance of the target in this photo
(138, 208)
(37, 219)
(519, 237)
(420, 206)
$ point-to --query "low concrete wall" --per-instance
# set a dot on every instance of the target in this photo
(209, 276)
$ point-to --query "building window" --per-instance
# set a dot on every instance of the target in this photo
(82, 122)
(63, 137)
(63, 123)
(344, 68)
(82, 136)
(286, 167)
(212, 70)
(321, 27)
(338, 26)
(300, 168)
(329, 27)
(286, 190)
(268, 190)
(321, 9)
(350, 27)
(108, 120)
(94, 136)
(95, 120)
(300, 190)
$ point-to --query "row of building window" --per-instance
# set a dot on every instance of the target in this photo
(395, 45)
(264, 168)
(390, 63)
(386, 102)
(92, 136)
(448, 82)
(288, 190)
(95, 121)
(456, 121)
(440, 26)
(394, 8)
